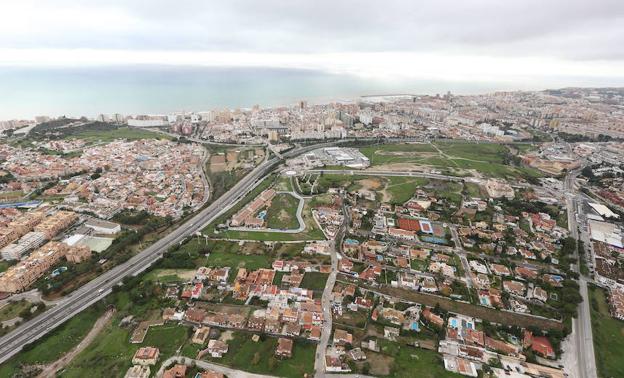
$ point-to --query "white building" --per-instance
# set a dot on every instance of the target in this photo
(103, 227)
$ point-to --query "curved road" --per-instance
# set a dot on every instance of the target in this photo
(102, 285)
(298, 214)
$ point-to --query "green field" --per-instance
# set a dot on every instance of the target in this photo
(401, 189)
(53, 345)
(413, 362)
(259, 357)
(314, 281)
(169, 275)
(453, 158)
(311, 232)
(448, 190)
(474, 190)
(111, 354)
(608, 336)
(397, 190)
(224, 259)
(128, 133)
(282, 214)
(4, 265)
(12, 309)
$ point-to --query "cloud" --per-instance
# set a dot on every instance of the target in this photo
(450, 38)
(558, 28)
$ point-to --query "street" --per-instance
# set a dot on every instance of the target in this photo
(102, 285)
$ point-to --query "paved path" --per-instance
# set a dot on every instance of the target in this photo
(319, 360)
(53, 368)
(32, 296)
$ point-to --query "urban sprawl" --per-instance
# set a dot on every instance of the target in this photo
(394, 235)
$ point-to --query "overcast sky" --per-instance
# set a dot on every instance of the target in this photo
(456, 40)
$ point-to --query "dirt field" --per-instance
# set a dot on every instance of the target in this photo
(51, 369)
(183, 274)
(379, 364)
(232, 159)
(217, 163)
(226, 336)
(370, 183)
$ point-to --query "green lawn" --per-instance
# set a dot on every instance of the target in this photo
(282, 214)
(608, 336)
(331, 180)
(449, 190)
(474, 190)
(222, 253)
(406, 361)
(111, 354)
(53, 345)
(451, 157)
(4, 265)
(12, 309)
(233, 260)
(245, 354)
(401, 189)
(314, 281)
(413, 362)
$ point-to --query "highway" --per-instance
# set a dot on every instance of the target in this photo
(102, 285)
(581, 326)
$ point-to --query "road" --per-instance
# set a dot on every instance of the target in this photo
(582, 337)
(102, 285)
(326, 302)
(298, 214)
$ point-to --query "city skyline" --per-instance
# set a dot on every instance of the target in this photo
(511, 46)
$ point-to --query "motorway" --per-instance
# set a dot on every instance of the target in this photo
(581, 326)
(102, 285)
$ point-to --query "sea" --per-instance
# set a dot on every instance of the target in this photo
(26, 92)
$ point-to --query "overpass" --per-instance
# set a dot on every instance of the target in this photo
(101, 286)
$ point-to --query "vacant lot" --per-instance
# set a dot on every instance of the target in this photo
(399, 190)
(111, 354)
(12, 309)
(53, 345)
(120, 133)
(311, 232)
(608, 336)
(259, 357)
(282, 214)
(234, 260)
(453, 158)
(314, 281)
(395, 190)
(170, 275)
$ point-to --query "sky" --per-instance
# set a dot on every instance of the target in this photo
(523, 43)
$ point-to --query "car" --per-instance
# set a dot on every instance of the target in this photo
(100, 291)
